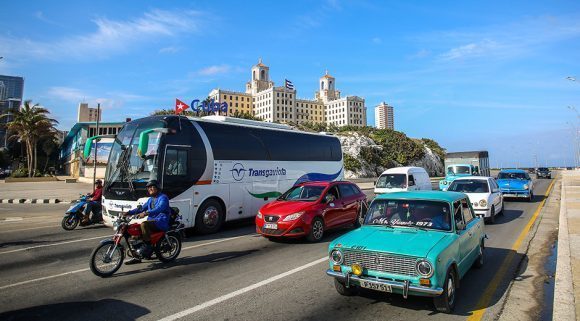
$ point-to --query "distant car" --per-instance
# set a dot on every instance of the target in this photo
(484, 195)
(309, 209)
(411, 243)
(399, 179)
(457, 170)
(543, 172)
(516, 183)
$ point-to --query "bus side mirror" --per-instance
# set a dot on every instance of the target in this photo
(144, 140)
(89, 145)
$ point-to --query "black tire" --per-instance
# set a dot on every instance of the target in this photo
(478, 264)
(446, 301)
(210, 217)
(168, 252)
(530, 197)
(343, 290)
(492, 215)
(98, 256)
(501, 212)
(70, 222)
(316, 230)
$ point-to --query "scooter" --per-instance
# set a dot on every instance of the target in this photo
(74, 215)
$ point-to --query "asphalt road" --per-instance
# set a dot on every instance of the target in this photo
(232, 275)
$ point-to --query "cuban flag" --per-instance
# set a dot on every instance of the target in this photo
(289, 84)
(180, 106)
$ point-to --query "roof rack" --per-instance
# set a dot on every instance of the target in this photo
(247, 122)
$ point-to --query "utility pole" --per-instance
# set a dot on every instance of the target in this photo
(96, 142)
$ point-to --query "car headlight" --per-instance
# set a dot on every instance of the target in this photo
(424, 268)
(259, 215)
(444, 182)
(526, 186)
(293, 217)
(336, 257)
(483, 203)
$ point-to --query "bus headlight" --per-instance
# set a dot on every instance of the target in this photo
(336, 257)
(483, 203)
(424, 268)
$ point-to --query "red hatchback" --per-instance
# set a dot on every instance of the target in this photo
(308, 209)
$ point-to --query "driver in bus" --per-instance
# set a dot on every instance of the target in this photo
(158, 213)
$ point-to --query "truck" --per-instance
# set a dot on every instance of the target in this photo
(460, 164)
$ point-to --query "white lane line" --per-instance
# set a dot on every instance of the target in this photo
(240, 291)
(41, 279)
(85, 270)
(55, 244)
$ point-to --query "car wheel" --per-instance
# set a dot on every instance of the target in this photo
(343, 290)
(530, 197)
(209, 218)
(446, 301)
(479, 261)
(491, 219)
(316, 230)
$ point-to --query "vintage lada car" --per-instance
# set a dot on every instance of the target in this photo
(411, 243)
(516, 183)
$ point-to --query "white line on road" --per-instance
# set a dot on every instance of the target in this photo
(214, 242)
(240, 291)
(54, 244)
(43, 278)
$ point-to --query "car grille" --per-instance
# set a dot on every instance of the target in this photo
(388, 263)
(270, 231)
(271, 218)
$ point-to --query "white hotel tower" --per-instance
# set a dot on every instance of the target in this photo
(384, 116)
(263, 99)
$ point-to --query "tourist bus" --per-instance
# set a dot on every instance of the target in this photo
(214, 169)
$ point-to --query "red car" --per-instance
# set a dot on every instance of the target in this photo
(308, 209)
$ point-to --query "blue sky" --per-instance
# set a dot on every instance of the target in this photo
(471, 74)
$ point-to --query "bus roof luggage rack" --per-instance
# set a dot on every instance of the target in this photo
(247, 122)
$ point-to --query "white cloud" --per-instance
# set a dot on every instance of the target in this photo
(170, 50)
(377, 40)
(107, 100)
(214, 70)
(110, 37)
(472, 50)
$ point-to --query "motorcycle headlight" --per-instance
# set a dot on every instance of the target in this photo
(526, 186)
(293, 217)
(336, 257)
(259, 215)
(483, 203)
(424, 268)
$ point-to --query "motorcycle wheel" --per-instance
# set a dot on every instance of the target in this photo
(167, 252)
(69, 222)
(103, 263)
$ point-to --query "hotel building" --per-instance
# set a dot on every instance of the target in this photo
(384, 116)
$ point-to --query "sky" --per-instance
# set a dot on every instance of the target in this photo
(472, 75)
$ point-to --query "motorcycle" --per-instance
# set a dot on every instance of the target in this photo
(108, 257)
(74, 215)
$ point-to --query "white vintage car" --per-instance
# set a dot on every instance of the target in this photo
(484, 195)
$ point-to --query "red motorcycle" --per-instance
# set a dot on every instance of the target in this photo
(108, 257)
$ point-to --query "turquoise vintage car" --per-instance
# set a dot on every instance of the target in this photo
(455, 171)
(516, 183)
(412, 243)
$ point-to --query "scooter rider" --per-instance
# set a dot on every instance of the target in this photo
(94, 203)
(158, 213)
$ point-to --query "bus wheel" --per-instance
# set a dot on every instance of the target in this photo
(210, 217)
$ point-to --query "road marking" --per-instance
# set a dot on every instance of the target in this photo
(85, 270)
(249, 288)
(487, 295)
(54, 244)
(41, 279)
(30, 228)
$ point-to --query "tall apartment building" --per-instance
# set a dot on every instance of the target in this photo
(279, 104)
(384, 116)
(87, 114)
(11, 93)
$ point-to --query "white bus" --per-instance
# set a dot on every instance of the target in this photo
(215, 168)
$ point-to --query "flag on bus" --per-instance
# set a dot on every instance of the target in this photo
(180, 106)
(289, 84)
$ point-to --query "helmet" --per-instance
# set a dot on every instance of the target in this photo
(98, 182)
(152, 182)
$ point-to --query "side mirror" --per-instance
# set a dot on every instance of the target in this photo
(460, 226)
(89, 145)
(411, 183)
(328, 199)
(144, 140)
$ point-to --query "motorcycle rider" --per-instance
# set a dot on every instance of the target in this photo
(94, 203)
(158, 213)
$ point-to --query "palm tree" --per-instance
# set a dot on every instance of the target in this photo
(29, 124)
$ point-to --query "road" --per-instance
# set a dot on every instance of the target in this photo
(231, 275)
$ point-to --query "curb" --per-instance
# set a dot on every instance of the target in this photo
(33, 201)
(564, 307)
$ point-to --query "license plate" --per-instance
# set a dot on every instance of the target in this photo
(510, 195)
(271, 226)
(376, 286)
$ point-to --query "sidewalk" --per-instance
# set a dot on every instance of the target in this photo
(42, 192)
(567, 287)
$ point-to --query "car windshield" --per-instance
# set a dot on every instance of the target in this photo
(392, 181)
(543, 169)
(504, 175)
(469, 186)
(302, 193)
(410, 213)
(454, 170)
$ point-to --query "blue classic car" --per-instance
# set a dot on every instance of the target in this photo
(455, 171)
(516, 183)
(412, 243)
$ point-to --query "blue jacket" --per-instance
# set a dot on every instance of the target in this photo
(159, 211)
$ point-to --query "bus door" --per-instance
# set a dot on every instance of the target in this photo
(176, 177)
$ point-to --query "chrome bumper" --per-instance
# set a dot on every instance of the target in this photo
(405, 287)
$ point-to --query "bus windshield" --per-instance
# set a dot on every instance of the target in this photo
(454, 170)
(410, 213)
(124, 165)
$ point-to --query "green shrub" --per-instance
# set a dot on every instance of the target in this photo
(351, 163)
(21, 172)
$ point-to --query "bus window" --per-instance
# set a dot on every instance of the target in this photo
(175, 162)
